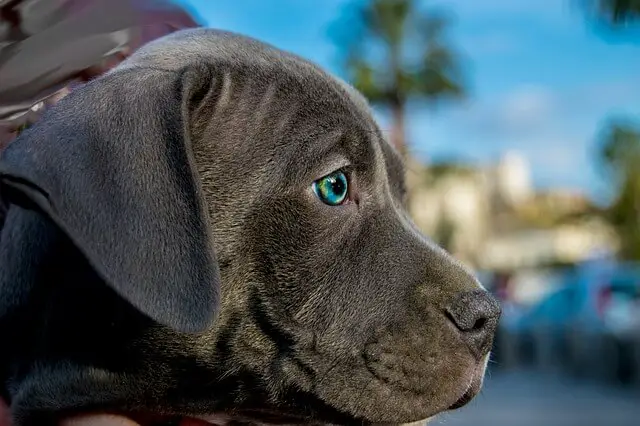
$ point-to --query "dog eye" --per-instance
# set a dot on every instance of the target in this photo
(332, 189)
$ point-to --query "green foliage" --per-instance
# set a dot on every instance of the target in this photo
(615, 12)
(395, 51)
(612, 18)
(620, 142)
(620, 150)
(414, 58)
(620, 155)
(438, 171)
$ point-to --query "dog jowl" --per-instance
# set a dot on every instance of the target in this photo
(216, 229)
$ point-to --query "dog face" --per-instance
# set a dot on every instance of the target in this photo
(332, 306)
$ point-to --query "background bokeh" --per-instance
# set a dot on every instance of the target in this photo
(520, 124)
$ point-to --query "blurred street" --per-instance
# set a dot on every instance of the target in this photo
(536, 399)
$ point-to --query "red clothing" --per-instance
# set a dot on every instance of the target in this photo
(62, 42)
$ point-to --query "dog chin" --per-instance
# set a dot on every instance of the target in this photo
(223, 420)
(469, 387)
(261, 419)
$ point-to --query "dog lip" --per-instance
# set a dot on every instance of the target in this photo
(464, 400)
(475, 384)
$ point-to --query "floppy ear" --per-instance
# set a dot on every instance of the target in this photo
(112, 166)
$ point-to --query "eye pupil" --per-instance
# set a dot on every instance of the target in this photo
(332, 189)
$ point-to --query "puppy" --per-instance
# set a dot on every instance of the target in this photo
(215, 229)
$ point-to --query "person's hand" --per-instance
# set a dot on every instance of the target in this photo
(94, 420)
(86, 420)
(99, 420)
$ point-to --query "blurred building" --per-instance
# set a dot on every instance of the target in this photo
(452, 206)
(512, 178)
(491, 217)
(562, 244)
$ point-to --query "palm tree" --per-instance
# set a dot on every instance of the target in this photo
(620, 154)
(395, 51)
(616, 13)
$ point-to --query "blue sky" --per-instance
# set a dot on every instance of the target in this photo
(542, 80)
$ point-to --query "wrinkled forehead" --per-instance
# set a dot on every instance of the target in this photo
(277, 96)
(242, 54)
(235, 52)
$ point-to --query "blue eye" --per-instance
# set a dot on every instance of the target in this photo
(332, 189)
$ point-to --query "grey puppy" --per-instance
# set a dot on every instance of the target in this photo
(216, 229)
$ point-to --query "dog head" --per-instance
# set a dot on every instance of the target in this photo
(247, 204)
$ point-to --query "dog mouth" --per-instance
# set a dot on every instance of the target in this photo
(282, 418)
(466, 398)
(269, 418)
(475, 385)
(273, 416)
(259, 419)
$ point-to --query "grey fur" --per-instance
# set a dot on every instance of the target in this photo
(163, 252)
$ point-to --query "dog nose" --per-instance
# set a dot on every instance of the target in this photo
(475, 314)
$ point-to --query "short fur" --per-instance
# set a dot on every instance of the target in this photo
(164, 254)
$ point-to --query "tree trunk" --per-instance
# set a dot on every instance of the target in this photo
(399, 140)
(398, 136)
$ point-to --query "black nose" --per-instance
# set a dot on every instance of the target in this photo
(475, 314)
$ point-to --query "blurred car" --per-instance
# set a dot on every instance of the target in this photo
(594, 298)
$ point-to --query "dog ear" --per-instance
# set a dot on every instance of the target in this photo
(112, 166)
